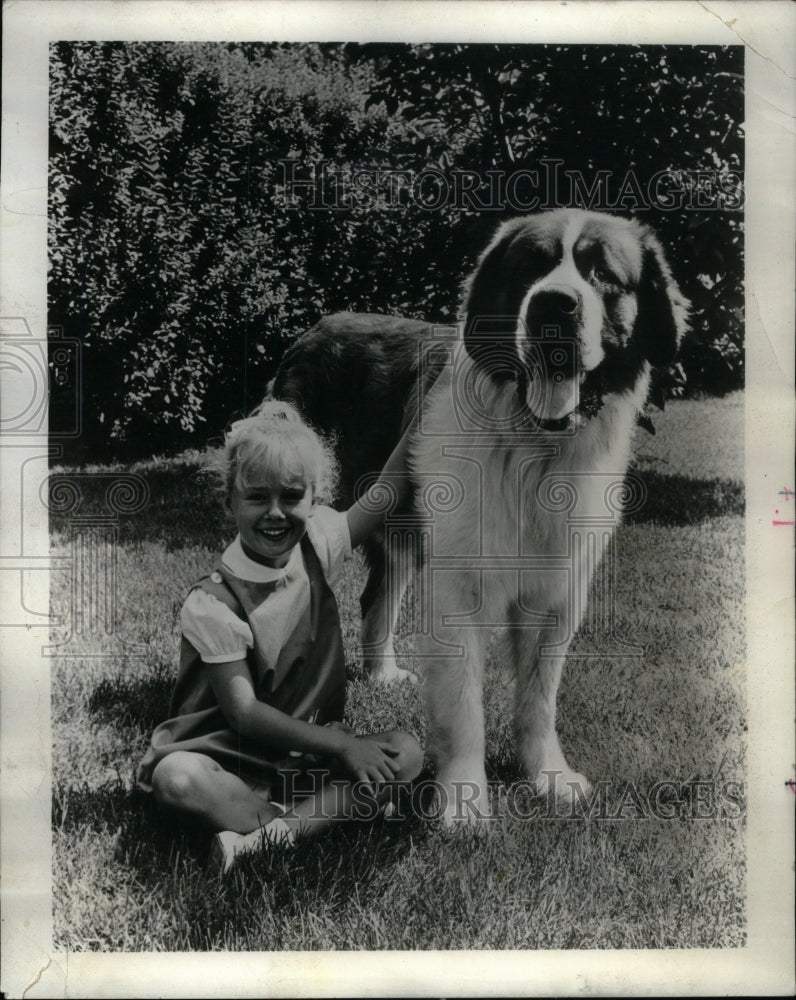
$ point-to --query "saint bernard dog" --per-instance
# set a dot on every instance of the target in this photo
(524, 418)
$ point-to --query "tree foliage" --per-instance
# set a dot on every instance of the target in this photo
(613, 111)
(185, 263)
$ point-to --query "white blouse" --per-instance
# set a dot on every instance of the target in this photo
(220, 636)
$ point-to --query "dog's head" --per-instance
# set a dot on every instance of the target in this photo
(564, 297)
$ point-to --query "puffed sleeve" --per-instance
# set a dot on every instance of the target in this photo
(331, 539)
(213, 629)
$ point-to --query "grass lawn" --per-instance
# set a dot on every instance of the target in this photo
(658, 862)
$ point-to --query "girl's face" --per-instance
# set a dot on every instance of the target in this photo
(271, 513)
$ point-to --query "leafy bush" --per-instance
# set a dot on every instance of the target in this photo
(185, 265)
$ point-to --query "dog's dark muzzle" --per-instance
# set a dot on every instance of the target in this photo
(555, 312)
(551, 348)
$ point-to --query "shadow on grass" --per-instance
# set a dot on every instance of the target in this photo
(339, 865)
(142, 704)
(146, 846)
(678, 500)
(183, 510)
(151, 841)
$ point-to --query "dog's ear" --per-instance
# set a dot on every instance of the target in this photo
(662, 317)
(490, 321)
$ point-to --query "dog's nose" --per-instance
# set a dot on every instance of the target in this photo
(552, 303)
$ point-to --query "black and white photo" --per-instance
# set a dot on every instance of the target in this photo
(397, 462)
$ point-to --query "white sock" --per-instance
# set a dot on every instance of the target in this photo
(275, 832)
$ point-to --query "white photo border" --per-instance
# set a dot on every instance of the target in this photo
(30, 965)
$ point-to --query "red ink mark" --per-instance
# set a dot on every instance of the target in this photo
(790, 783)
(787, 493)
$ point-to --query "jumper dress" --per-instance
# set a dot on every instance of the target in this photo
(307, 682)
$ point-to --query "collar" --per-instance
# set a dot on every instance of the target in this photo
(239, 564)
(571, 422)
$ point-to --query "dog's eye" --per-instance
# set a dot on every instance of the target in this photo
(599, 272)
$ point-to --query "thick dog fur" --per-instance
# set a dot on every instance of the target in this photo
(525, 427)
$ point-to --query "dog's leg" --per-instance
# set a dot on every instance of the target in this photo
(381, 605)
(452, 691)
(538, 675)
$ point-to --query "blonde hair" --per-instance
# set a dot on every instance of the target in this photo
(276, 438)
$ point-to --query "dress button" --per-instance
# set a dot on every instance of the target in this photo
(216, 578)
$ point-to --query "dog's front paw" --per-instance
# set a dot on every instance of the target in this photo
(461, 801)
(563, 785)
(385, 670)
(392, 675)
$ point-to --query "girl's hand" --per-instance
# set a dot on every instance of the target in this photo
(369, 760)
(385, 495)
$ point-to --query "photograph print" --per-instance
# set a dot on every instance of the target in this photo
(395, 477)
(522, 264)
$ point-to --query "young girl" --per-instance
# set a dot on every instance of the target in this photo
(261, 685)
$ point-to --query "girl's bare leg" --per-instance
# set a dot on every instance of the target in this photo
(197, 786)
(194, 784)
(338, 799)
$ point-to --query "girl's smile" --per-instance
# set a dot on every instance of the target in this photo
(272, 516)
